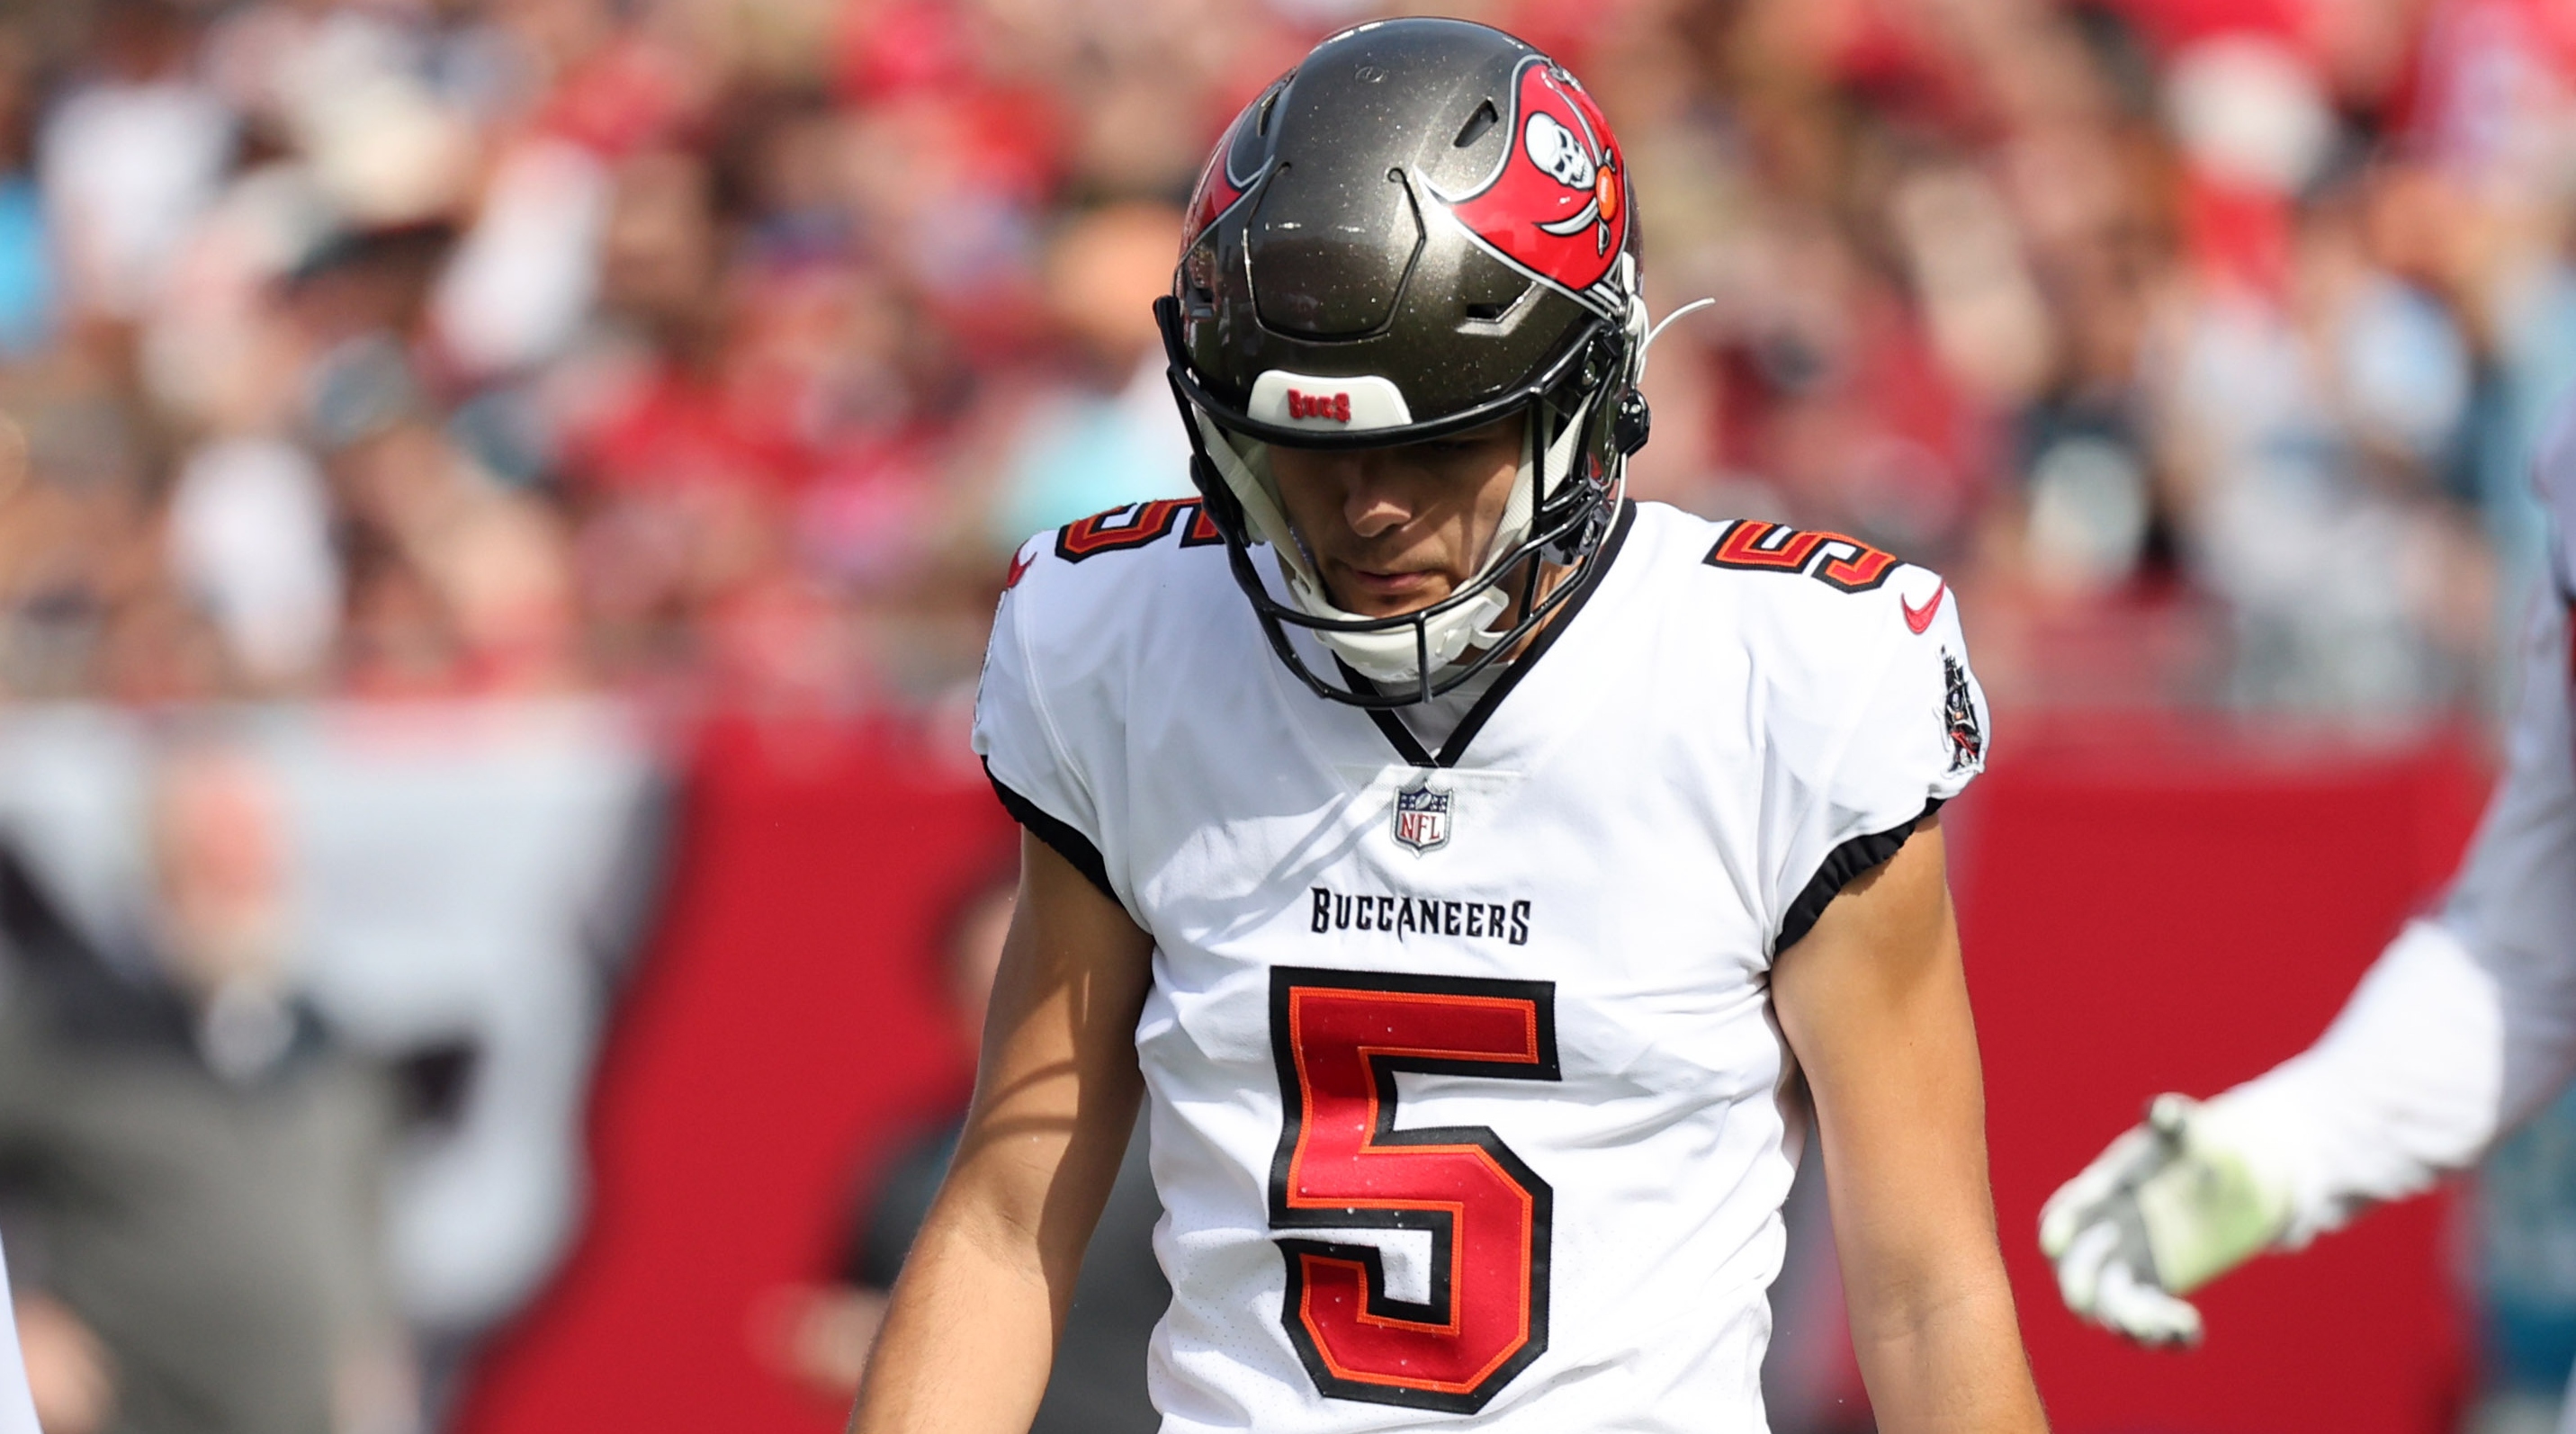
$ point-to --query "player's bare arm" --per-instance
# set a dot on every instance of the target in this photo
(1874, 1003)
(984, 1293)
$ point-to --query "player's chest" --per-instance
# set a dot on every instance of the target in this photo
(1597, 887)
(1583, 814)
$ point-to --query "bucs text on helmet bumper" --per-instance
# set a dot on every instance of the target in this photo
(1422, 229)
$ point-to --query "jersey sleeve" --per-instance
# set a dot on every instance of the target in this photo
(2467, 1022)
(1032, 768)
(1877, 720)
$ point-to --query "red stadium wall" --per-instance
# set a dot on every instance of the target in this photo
(788, 1021)
(2146, 910)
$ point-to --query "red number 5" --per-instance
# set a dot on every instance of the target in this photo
(1339, 1038)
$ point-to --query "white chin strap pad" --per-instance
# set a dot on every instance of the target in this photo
(1392, 655)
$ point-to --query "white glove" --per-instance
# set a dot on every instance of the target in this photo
(2168, 1207)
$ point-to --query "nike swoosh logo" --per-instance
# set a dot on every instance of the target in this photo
(1921, 618)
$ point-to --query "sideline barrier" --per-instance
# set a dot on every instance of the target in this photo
(2147, 908)
(787, 1024)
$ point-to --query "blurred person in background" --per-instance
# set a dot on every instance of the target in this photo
(2463, 1028)
(1105, 436)
(27, 280)
(462, 584)
(131, 156)
(821, 1335)
(193, 1163)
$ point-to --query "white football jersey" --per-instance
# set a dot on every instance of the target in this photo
(1468, 1105)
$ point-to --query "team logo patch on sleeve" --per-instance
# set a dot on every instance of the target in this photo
(1422, 816)
(1959, 716)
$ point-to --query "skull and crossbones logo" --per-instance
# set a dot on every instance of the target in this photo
(1566, 157)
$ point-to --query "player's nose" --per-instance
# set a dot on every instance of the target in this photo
(1374, 508)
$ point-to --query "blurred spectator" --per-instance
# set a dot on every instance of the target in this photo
(196, 1160)
(250, 537)
(462, 584)
(132, 155)
(1110, 433)
(467, 885)
(820, 1336)
(26, 257)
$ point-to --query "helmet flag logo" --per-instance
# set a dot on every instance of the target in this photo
(1557, 204)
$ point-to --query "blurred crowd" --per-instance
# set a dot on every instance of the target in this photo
(495, 349)
(720, 349)
(2203, 340)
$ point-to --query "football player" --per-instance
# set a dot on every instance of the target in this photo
(2465, 1025)
(1478, 874)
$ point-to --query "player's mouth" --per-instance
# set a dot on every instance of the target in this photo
(1382, 592)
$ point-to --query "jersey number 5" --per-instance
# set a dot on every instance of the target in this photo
(1340, 1037)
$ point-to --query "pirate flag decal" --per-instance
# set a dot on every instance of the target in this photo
(1557, 205)
(1959, 717)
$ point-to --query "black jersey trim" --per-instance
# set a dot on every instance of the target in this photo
(1842, 866)
(1400, 737)
(1410, 748)
(1593, 573)
(1068, 843)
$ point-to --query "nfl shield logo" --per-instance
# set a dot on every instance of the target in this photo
(1422, 816)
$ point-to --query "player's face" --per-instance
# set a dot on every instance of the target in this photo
(1394, 530)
